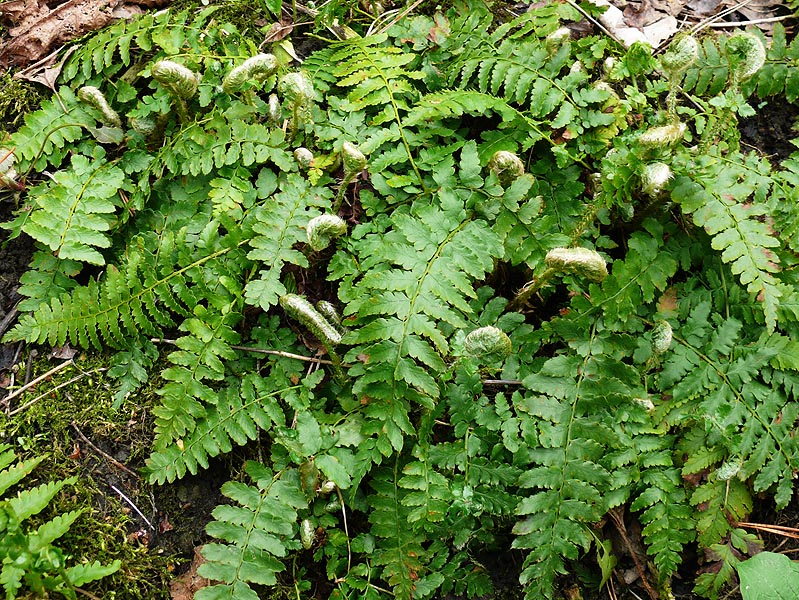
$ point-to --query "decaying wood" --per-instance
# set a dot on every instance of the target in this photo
(35, 29)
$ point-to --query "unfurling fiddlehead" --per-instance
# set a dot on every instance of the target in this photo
(304, 158)
(654, 177)
(661, 337)
(354, 162)
(323, 229)
(680, 55)
(746, 55)
(258, 68)
(578, 261)
(297, 91)
(95, 98)
(488, 344)
(583, 262)
(507, 166)
(663, 136)
(8, 174)
(303, 311)
(180, 81)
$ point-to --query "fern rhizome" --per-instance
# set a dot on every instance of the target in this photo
(544, 284)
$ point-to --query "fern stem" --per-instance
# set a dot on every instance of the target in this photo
(524, 295)
(337, 202)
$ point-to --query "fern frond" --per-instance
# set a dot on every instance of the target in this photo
(70, 214)
(239, 413)
(257, 531)
(722, 503)
(399, 551)
(716, 198)
(79, 575)
(567, 472)
(197, 363)
(667, 517)
(279, 225)
(47, 133)
(160, 278)
(50, 531)
(438, 253)
(15, 473)
(33, 501)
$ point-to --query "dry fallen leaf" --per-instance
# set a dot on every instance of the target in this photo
(184, 587)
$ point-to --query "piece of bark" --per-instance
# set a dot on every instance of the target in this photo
(38, 30)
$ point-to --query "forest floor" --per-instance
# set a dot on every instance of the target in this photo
(60, 402)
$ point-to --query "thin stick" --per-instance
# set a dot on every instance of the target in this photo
(790, 532)
(346, 529)
(752, 22)
(133, 506)
(712, 19)
(39, 379)
(502, 382)
(8, 319)
(618, 521)
(108, 457)
(30, 403)
(87, 594)
(311, 359)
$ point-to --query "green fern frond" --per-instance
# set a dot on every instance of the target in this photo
(668, 519)
(399, 551)
(439, 252)
(70, 214)
(567, 471)
(196, 365)
(47, 133)
(159, 279)
(715, 196)
(79, 575)
(28, 557)
(278, 226)
(257, 531)
(238, 414)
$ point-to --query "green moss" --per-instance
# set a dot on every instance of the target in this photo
(17, 98)
(107, 529)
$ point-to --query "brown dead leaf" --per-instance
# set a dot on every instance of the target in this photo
(65, 352)
(36, 29)
(279, 31)
(184, 587)
(704, 8)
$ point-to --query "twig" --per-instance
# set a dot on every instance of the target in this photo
(712, 19)
(346, 529)
(39, 379)
(133, 506)
(396, 19)
(108, 457)
(87, 594)
(752, 22)
(8, 319)
(619, 522)
(790, 532)
(30, 403)
(502, 382)
(320, 361)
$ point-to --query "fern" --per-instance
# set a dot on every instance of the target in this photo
(397, 307)
(29, 558)
(660, 384)
(713, 199)
(235, 417)
(259, 530)
(279, 226)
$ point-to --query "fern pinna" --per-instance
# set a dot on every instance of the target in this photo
(530, 309)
